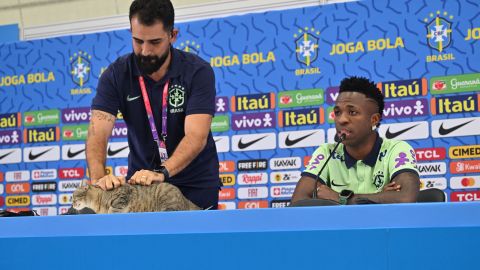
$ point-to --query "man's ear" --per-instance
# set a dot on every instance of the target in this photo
(375, 119)
(174, 35)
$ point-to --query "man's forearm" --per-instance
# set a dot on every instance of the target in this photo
(186, 151)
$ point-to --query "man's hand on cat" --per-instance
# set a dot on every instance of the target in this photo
(145, 178)
(109, 182)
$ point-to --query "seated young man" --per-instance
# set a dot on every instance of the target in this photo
(365, 166)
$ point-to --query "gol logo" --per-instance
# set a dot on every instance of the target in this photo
(226, 194)
(253, 204)
(226, 166)
(18, 188)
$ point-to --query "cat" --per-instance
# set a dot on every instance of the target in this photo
(131, 198)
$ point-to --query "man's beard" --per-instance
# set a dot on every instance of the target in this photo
(151, 63)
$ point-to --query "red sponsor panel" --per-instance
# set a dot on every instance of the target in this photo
(18, 188)
(465, 196)
(427, 154)
(2, 201)
(226, 194)
(71, 173)
(226, 166)
(306, 159)
(465, 166)
(253, 204)
(1, 176)
(16, 210)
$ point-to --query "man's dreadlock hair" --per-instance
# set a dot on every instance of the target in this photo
(366, 87)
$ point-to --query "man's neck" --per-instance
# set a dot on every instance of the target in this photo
(160, 73)
(360, 152)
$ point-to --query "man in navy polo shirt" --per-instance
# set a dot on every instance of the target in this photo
(167, 99)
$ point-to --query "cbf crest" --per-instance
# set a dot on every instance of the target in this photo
(189, 46)
(80, 68)
(306, 42)
(439, 31)
(176, 98)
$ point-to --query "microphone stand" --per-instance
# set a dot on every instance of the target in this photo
(315, 201)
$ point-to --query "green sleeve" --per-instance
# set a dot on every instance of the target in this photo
(402, 157)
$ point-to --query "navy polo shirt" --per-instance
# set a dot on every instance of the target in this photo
(191, 91)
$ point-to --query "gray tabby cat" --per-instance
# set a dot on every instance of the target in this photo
(132, 198)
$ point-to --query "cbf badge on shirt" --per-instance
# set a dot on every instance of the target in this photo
(162, 147)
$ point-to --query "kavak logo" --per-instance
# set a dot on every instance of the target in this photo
(456, 127)
(252, 192)
(440, 183)
(439, 35)
(189, 46)
(10, 155)
(69, 186)
(301, 138)
(285, 163)
(41, 153)
(405, 131)
(118, 150)
(252, 178)
(248, 142)
(432, 168)
(285, 177)
(17, 176)
(222, 143)
(465, 182)
(73, 151)
(176, 98)
(306, 48)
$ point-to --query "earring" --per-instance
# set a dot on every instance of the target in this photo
(374, 128)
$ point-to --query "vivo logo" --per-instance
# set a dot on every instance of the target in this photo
(253, 121)
(405, 108)
(76, 115)
(8, 137)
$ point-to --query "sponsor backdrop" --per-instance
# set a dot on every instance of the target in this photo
(277, 79)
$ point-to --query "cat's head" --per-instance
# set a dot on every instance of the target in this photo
(84, 196)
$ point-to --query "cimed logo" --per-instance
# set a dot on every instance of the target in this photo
(439, 31)
(306, 41)
(80, 68)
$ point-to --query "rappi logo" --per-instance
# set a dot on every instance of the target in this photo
(253, 204)
(252, 178)
(427, 154)
(253, 121)
(465, 196)
(71, 173)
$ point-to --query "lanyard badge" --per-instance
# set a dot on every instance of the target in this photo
(160, 141)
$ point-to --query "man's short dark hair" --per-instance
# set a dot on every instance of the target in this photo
(366, 87)
(150, 11)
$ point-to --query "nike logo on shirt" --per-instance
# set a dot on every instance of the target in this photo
(391, 135)
(132, 98)
(337, 185)
(445, 131)
(289, 142)
(242, 145)
(35, 156)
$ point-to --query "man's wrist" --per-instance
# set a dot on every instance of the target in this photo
(163, 170)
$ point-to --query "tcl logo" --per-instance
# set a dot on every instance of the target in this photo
(226, 166)
(253, 204)
(226, 194)
(465, 196)
(438, 153)
(71, 173)
(18, 188)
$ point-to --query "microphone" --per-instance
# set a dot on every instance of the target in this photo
(321, 202)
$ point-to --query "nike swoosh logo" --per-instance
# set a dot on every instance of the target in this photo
(445, 131)
(5, 155)
(337, 185)
(289, 142)
(391, 135)
(35, 156)
(242, 145)
(111, 152)
(132, 98)
(71, 154)
(216, 140)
